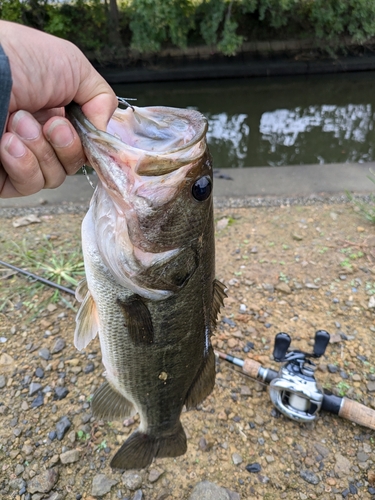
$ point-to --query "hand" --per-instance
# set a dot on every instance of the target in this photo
(40, 147)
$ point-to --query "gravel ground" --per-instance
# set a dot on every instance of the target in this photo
(288, 267)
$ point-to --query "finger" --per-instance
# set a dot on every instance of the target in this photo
(20, 174)
(69, 152)
(43, 115)
(100, 109)
(29, 131)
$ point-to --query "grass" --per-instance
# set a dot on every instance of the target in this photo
(60, 264)
(366, 209)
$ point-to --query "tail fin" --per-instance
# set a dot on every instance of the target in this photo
(140, 449)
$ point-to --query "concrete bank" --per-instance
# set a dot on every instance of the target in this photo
(247, 187)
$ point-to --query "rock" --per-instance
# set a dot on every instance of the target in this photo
(371, 386)
(233, 495)
(38, 401)
(6, 363)
(322, 450)
(26, 220)
(333, 368)
(59, 346)
(222, 224)
(362, 456)
(39, 372)
(154, 475)
(90, 367)
(283, 287)
(44, 482)
(62, 427)
(34, 387)
(309, 477)
(44, 353)
(19, 469)
(342, 465)
(16, 484)
(255, 467)
(3, 381)
(205, 490)
(132, 480)
(69, 457)
(101, 485)
(138, 495)
(60, 393)
(236, 459)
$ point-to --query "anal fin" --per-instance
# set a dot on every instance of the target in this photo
(140, 449)
(81, 290)
(204, 382)
(107, 403)
(86, 323)
(138, 320)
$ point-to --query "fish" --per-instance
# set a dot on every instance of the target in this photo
(150, 291)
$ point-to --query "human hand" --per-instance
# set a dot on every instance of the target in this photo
(40, 147)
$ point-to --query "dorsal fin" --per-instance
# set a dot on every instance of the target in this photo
(217, 301)
(86, 323)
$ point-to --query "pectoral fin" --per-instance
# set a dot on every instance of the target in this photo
(137, 320)
(204, 382)
(81, 290)
(218, 301)
(86, 323)
(109, 404)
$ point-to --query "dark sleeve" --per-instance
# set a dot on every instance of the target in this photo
(5, 88)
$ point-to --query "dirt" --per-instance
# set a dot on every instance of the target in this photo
(293, 269)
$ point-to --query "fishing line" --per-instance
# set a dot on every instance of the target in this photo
(124, 101)
(38, 278)
(87, 176)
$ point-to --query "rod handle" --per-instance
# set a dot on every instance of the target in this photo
(358, 413)
(251, 367)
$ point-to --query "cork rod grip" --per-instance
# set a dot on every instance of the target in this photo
(358, 413)
(251, 367)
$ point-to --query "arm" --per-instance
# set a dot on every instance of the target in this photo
(5, 88)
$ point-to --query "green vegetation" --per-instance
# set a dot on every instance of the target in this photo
(105, 29)
(367, 209)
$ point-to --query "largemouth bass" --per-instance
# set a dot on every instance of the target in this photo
(151, 293)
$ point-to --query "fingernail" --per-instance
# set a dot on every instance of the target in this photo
(15, 147)
(25, 126)
(60, 134)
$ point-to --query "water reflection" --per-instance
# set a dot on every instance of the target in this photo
(277, 121)
(229, 133)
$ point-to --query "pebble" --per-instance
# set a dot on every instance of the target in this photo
(342, 465)
(236, 458)
(69, 457)
(34, 388)
(90, 367)
(309, 477)
(101, 485)
(154, 475)
(255, 467)
(205, 490)
(44, 482)
(138, 495)
(3, 381)
(62, 426)
(59, 346)
(132, 480)
(44, 353)
(39, 372)
(322, 450)
(60, 393)
(371, 386)
(333, 368)
(38, 401)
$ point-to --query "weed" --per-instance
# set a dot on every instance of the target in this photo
(102, 445)
(365, 209)
(82, 435)
(342, 388)
(283, 277)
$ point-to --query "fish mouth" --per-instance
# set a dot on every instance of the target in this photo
(153, 141)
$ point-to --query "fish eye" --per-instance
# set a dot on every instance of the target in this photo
(202, 188)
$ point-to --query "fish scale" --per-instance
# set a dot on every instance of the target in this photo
(151, 292)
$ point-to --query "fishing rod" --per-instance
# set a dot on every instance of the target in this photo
(37, 278)
(294, 390)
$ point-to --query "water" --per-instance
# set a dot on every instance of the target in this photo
(277, 121)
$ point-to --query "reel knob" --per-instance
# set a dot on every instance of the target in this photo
(321, 341)
(282, 343)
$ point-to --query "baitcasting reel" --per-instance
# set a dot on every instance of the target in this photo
(294, 391)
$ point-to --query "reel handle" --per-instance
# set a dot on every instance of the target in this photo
(282, 343)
